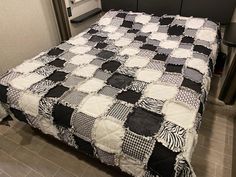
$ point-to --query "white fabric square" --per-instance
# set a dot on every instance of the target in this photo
(136, 61)
(28, 66)
(25, 81)
(47, 127)
(129, 51)
(110, 28)
(144, 19)
(82, 59)
(78, 40)
(131, 166)
(206, 35)
(115, 36)
(168, 44)
(148, 75)
(159, 36)
(197, 64)
(85, 71)
(182, 53)
(91, 85)
(29, 103)
(105, 21)
(179, 114)
(150, 27)
(160, 91)
(91, 107)
(108, 134)
(123, 42)
(194, 23)
(80, 49)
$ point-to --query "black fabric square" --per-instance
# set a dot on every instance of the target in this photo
(129, 96)
(202, 49)
(57, 62)
(174, 68)
(166, 20)
(84, 146)
(160, 56)
(111, 66)
(57, 91)
(140, 38)
(3, 93)
(187, 40)
(55, 52)
(101, 45)
(62, 115)
(92, 31)
(144, 122)
(57, 76)
(127, 24)
(96, 38)
(119, 80)
(121, 15)
(149, 47)
(132, 31)
(162, 161)
(192, 85)
(106, 54)
(176, 30)
(18, 114)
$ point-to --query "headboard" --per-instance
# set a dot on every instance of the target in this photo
(216, 10)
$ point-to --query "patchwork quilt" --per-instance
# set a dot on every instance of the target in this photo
(130, 90)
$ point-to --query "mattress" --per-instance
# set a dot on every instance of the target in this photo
(130, 91)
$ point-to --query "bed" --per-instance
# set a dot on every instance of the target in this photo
(130, 91)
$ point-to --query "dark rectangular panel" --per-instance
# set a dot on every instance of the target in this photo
(128, 5)
(216, 10)
(160, 7)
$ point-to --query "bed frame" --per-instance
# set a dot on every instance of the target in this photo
(222, 12)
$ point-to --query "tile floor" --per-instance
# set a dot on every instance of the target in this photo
(28, 153)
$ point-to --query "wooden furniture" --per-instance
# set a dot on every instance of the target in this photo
(228, 90)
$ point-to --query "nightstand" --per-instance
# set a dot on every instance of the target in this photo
(228, 89)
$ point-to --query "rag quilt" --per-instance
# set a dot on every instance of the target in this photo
(130, 91)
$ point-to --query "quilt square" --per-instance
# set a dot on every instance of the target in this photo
(106, 54)
(133, 31)
(176, 61)
(151, 104)
(127, 24)
(13, 96)
(172, 78)
(99, 74)
(73, 80)
(82, 124)
(96, 38)
(91, 85)
(80, 49)
(3, 93)
(162, 161)
(160, 56)
(143, 122)
(121, 15)
(28, 66)
(193, 75)
(82, 59)
(67, 56)
(141, 38)
(23, 82)
(142, 18)
(46, 106)
(174, 68)
(157, 65)
(129, 96)
(57, 62)
(202, 49)
(98, 62)
(55, 52)
(111, 66)
(166, 20)
(149, 47)
(148, 75)
(90, 107)
(62, 115)
(137, 86)
(129, 51)
(136, 61)
(74, 98)
(192, 85)
(42, 87)
(6, 79)
(57, 91)
(176, 30)
(119, 111)
(92, 31)
(137, 146)
(84, 146)
(187, 40)
(45, 71)
(123, 41)
(57, 76)
(109, 91)
(101, 45)
(86, 71)
(29, 107)
(19, 115)
(119, 80)
(105, 157)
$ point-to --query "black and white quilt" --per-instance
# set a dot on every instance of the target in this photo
(130, 91)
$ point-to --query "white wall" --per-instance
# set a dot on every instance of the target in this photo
(27, 27)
